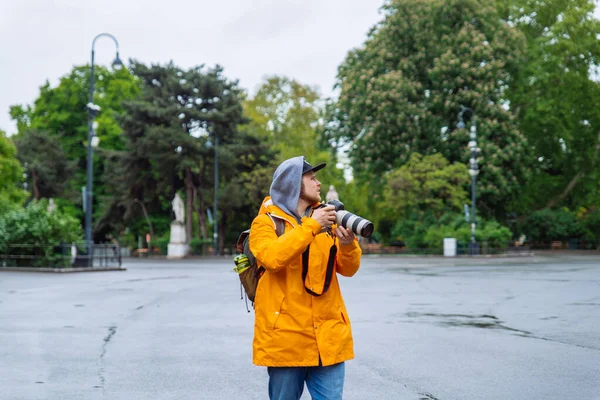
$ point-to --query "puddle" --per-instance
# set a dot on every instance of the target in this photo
(482, 321)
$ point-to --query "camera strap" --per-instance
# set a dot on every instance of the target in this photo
(328, 274)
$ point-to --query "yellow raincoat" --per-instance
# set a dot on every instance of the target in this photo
(292, 327)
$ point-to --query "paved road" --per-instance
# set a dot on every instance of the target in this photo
(424, 328)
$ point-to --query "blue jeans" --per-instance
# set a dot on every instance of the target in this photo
(323, 383)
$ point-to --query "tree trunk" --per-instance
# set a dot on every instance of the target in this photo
(189, 199)
(34, 184)
(567, 190)
(147, 218)
(575, 179)
(201, 211)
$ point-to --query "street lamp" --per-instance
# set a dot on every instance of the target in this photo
(93, 110)
(216, 197)
(473, 171)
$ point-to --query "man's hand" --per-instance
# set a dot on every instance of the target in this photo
(346, 236)
(325, 216)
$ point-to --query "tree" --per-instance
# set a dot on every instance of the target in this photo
(289, 116)
(555, 95)
(401, 93)
(167, 131)
(246, 182)
(60, 114)
(11, 173)
(427, 184)
(48, 168)
(419, 193)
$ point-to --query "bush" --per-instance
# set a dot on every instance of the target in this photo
(552, 225)
(197, 246)
(434, 237)
(412, 231)
(163, 243)
(41, 231)
(496, 235)
(431, 233)
(591, 226)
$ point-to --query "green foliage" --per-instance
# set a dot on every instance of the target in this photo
(401, 93)
(554, 95)
(496, 235)
(417, 194)
(58, 118)
(11, 173)
(430, 232)
(199, 246)
(547, 224)
(244, 184)
(170, 132)
(41, 230)
(162, 243)
(288, 116)
(426, 185)
(61, 111)
(591, 225)
(285, 113)
(411, 231)
(48, 167)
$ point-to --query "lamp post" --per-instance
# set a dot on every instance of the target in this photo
(216, 199)
(93, 110)
(473, 171)
(215, 216)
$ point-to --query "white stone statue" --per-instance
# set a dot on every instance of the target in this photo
(332, 194)
(178, 208)
(51, 205)
(178, 246)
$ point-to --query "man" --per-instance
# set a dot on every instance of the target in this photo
(301, 332)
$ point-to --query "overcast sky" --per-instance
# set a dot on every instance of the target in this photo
(306, 40)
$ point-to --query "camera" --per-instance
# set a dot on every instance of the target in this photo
(356, 224)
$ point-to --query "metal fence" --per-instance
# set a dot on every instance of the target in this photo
(485, 248)
(462, 249)
(565, 244)
(74, 255)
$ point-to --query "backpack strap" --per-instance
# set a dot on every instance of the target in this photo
(279, 224)
(328, 274)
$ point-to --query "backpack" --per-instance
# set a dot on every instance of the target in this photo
(246, 266)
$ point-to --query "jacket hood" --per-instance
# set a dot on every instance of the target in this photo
(285, 188)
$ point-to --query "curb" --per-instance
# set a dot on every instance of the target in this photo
(62, 270)
(459, 257)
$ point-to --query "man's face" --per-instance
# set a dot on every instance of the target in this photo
(311, 188)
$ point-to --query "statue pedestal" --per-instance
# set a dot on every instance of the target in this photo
(178, 247)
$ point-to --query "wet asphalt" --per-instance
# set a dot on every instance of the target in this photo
(424, 328)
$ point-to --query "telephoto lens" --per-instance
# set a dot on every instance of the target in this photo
(356, 224)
